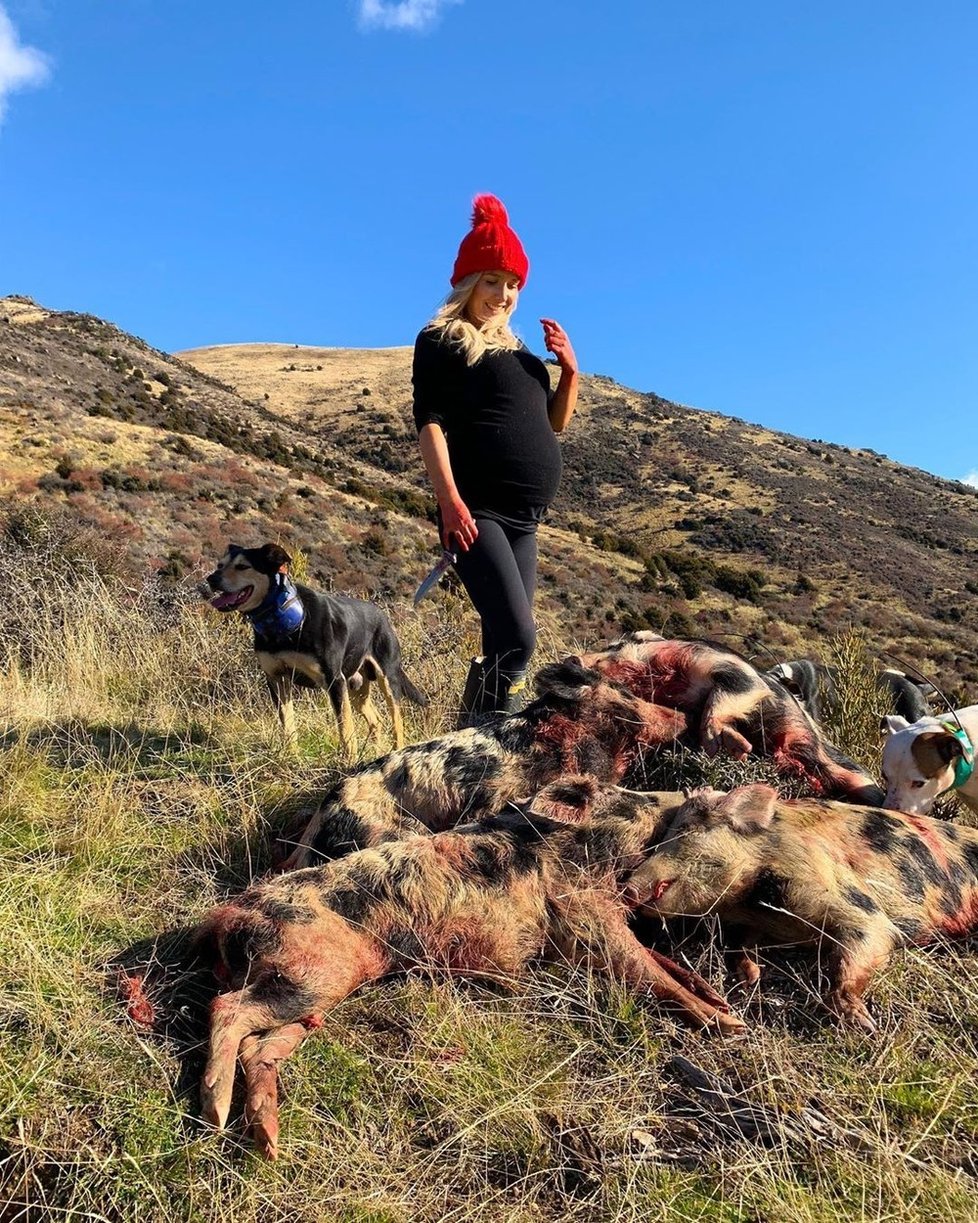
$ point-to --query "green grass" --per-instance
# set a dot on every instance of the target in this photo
(141, 779)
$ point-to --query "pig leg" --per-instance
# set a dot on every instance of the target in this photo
(595, 932)
(745, 966)
(851, 968)
(688, 979)
(666, 981)
(273, 1002)
(717, 733)
(797, 749)
(260, 1056)
(234, 1016)
(739, 961)
(334, 834)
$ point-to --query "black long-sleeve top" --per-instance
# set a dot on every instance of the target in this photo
(504, 454)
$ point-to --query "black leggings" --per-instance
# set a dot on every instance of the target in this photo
(499, 573)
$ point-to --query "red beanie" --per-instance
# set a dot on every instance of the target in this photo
(490, 245)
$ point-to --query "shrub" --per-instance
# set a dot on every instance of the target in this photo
(375, 541)
(741, 583)
(691, 570)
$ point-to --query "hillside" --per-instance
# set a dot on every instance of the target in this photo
(682, 520)
(143, 781)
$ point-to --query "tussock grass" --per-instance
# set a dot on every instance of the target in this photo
(853, 716)
(141, 779)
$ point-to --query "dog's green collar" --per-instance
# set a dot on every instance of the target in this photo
(964, 765)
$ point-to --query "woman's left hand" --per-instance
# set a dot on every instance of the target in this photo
(556, 341)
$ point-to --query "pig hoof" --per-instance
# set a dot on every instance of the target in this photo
(748, 972)
(730, 1025)
(863, 1020)
(852, 1012)
(265, 1138)
(733, 743)
(211, 1115)
(215, 1104)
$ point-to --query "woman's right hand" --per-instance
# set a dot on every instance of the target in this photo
(458, 529)
(457, 525)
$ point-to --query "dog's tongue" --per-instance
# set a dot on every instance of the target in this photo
(227, 601)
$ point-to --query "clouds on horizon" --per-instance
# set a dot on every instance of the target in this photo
(971, 478)
(20, 66)
(401, 14)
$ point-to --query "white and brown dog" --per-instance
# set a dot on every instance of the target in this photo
(930, 757)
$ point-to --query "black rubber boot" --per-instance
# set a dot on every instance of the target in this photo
(475, 697)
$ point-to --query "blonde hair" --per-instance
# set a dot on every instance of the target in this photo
(450, 323)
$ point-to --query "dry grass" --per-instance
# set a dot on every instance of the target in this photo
(305, 382)
(140, 777)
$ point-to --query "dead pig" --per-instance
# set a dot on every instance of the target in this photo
(732, 708)
(858, 881)
(482, 900)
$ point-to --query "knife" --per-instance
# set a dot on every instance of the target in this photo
(431, 580)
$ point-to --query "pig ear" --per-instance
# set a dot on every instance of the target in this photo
(748, 809)
(569, 799)
(706, 794)
(892, 723)
(568, 680)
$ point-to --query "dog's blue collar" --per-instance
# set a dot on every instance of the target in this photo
(964, 765)
(282, 610)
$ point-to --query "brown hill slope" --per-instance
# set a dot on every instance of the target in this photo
(686, 521)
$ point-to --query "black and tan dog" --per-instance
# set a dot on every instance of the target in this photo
(483, 900)
(315, 640)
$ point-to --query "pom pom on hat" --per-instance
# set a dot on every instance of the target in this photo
(490, 245)
(489, 210)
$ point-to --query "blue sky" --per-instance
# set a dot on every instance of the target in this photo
(765, 209)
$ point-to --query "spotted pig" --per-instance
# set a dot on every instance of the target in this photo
(580, 723)
(484, 900)
(859, 882)
(731, 707)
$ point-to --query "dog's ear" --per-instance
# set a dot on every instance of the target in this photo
(891, 723)
(272, 559)
(947, 746)
(567, 680)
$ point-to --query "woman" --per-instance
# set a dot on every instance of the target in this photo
(486, 419)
